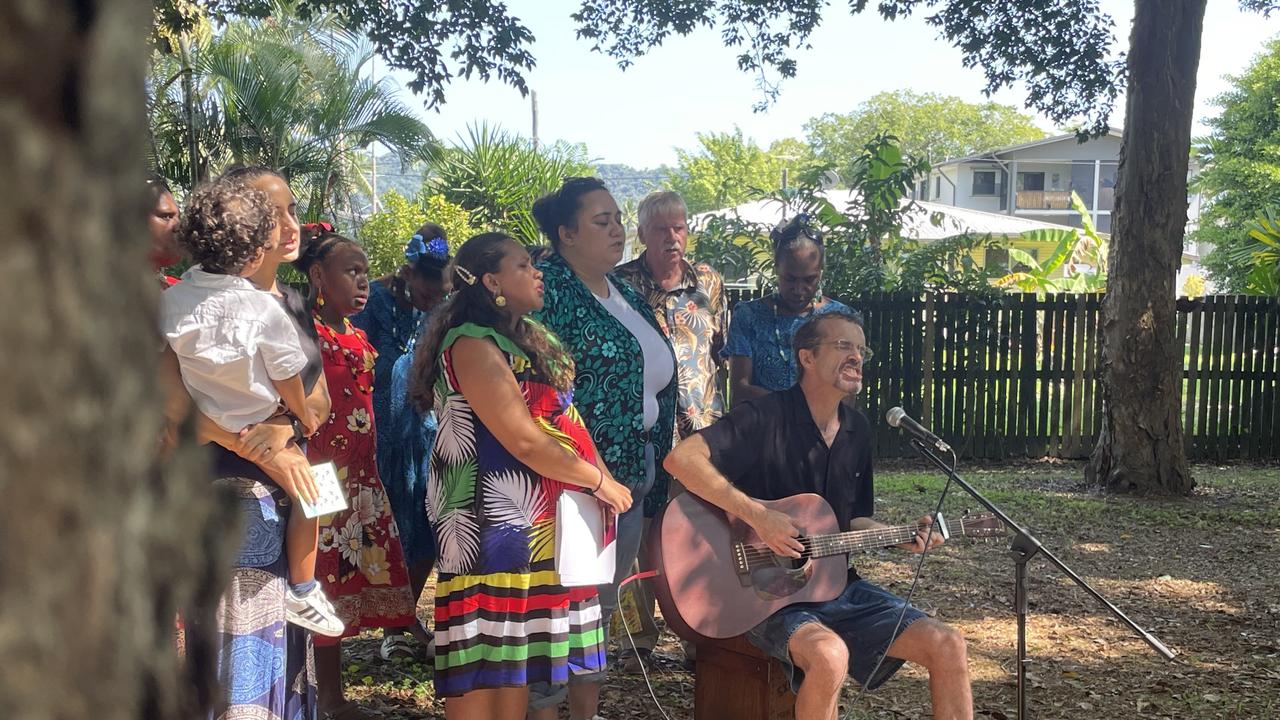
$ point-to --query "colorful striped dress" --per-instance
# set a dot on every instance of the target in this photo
(502, 618)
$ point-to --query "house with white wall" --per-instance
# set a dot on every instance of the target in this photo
(1033, 180)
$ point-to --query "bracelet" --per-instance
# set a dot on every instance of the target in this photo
(599, 484)
(299, 435)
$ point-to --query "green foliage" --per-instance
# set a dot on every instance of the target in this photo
(865, 251)
(1073, 248)
(1261, 255)
(433, 40)
(496, 176)
(729, 168)
(1062, 52)
(385, 233)
(283, 93)
(928, 125)
(1240, 176)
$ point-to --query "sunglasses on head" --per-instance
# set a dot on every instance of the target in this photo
(798, 226)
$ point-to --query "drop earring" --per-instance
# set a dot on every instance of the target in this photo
(500, 300)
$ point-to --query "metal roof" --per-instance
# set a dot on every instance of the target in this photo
(991, 154)
(918, 224)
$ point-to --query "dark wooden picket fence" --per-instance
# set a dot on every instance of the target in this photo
(1018, 376)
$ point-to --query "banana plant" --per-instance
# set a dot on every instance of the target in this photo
(1262, 256)
(1072, 248)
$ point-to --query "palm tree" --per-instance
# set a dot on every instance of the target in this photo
(293, 96)
(497, 176)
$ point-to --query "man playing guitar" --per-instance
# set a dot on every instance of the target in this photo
(805, 440)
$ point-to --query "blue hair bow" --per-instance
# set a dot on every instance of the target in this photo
(435, 248)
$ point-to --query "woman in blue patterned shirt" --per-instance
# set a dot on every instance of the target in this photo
(760, 331)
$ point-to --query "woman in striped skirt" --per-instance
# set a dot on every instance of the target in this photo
(510, 442)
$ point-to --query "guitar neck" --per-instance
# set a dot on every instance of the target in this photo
(858, 540)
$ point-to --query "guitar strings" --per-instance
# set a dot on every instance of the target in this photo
(823, 545)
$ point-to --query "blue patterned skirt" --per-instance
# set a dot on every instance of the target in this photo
(265, 666)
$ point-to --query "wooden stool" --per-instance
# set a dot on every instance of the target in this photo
(734, 679)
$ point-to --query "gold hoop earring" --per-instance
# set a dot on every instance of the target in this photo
(500, 301)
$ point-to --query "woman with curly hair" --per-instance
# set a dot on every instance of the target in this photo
(510, 443)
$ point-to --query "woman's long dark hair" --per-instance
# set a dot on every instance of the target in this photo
(471, 302)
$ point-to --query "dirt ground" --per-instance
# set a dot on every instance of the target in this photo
(1199, 573)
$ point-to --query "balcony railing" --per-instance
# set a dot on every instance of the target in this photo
(1043, 200)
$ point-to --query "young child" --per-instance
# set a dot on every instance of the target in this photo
(240, 354)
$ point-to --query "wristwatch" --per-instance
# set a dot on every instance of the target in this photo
(299, 435)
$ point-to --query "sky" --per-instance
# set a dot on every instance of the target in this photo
(691, 84)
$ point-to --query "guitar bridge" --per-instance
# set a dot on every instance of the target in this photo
(740, 564)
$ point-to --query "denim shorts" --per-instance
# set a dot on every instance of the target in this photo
(864, 616)
(545, 695)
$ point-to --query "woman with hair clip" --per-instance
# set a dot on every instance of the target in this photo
(760, 331)
(510, 442)
(392, 319)
(360, 562)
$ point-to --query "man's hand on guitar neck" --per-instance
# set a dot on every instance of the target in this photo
(923, 535)
(777, 531)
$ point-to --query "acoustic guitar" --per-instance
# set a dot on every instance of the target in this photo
(717, 579)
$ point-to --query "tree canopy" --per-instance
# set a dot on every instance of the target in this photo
(1240, 176)
(1062, 53)
(927, 125)
(728, 168)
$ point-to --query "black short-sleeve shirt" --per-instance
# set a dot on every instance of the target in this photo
(770, 448)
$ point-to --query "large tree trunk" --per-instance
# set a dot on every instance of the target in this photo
(1140, 448)
(101, 546)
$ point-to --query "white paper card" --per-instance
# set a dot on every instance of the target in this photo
(332, 498)
(586, 544)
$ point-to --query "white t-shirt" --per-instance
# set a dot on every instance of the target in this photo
(659, 366)
(232, 340)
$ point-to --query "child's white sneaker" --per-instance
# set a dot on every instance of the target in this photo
(313, 611)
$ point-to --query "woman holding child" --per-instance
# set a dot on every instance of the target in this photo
(510, 443)
(265, 665)
(361, 564)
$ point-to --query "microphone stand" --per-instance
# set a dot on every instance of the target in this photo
(1024, 547)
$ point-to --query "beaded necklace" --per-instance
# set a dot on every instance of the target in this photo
(353, 362)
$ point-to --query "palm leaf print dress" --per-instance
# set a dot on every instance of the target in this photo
(502, 619)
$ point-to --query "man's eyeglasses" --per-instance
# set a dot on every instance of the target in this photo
(864, 353)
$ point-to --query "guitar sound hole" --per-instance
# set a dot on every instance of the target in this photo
(786, 577)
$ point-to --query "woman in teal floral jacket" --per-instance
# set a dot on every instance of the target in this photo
(625, 365)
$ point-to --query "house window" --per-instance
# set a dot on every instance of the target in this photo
(922, 191)
(984, 182)
(998, 259)
(1031, 181)
(937, 188)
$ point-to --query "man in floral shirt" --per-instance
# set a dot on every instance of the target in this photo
(689, 304)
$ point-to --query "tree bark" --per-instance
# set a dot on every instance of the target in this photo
(1141, 448)
(101, 544)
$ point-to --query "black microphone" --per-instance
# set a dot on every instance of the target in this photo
(897, 417)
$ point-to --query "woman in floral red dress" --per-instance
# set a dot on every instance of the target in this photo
(361, 563)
